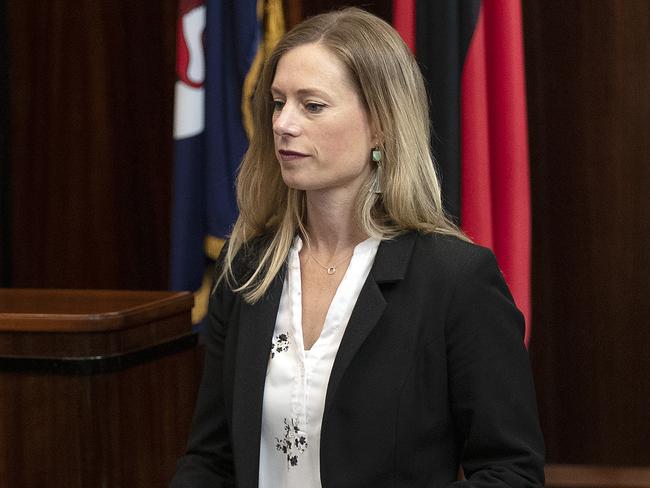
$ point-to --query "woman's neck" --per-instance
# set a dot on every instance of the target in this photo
(331, 223)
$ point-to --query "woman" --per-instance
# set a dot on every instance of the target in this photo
(356, 337)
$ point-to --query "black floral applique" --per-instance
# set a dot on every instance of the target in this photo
(280, 344)
(293, 444)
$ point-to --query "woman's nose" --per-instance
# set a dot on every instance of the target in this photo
(285, 122)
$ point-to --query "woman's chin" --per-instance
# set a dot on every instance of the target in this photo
(295, 182)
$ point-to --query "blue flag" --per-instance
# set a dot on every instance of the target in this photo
(219, 53)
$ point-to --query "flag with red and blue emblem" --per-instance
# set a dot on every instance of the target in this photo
(220, 47)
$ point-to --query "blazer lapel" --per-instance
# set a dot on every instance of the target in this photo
(390, 265)
(256, 326)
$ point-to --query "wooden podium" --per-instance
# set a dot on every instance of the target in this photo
(97, 388)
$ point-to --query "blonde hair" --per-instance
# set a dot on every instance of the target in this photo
(391, 86)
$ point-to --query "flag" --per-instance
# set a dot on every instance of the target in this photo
(471, 55)
(220, 51)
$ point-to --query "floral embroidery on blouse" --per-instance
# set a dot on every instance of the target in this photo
(293, 444)
(280, 344)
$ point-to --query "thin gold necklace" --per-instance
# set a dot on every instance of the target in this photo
(331, 269)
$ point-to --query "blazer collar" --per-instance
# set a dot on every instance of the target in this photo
(393, 257)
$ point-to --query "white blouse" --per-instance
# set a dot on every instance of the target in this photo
(296, 380)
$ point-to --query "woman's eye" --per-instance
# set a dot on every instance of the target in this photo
(314, 108)
(277, 105)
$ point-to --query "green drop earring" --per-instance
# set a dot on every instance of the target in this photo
(376, 156)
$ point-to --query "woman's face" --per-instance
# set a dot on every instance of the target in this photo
(322, 135)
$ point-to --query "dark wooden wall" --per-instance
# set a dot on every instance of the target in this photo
(91, 114)
(5, 176)
(588, 74)
(91, 119)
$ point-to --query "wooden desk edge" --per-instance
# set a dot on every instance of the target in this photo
(168, 303)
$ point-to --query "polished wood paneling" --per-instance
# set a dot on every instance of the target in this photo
(91, 113)
(5, 175)
(585, 476)
(382, 8)
(587, 66)
(121, 428)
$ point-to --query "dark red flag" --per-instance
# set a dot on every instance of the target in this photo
(471, 54)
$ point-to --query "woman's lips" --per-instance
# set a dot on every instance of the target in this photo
(286, 155)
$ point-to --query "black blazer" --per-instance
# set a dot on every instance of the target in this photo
(431, 372)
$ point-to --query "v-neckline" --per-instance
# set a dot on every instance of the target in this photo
(296, 316)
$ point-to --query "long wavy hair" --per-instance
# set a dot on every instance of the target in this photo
(391, 86)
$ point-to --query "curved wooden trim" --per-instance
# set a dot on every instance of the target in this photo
(32, 310)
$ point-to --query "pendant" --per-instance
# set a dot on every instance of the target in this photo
(331, 270)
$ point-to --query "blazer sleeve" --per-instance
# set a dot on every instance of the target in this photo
(208, 461)
(491, 389)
